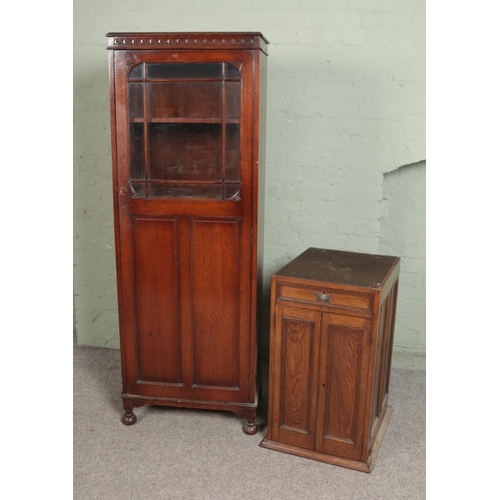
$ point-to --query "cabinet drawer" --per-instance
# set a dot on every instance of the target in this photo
(324, 296)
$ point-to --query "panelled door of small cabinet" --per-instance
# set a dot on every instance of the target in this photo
(295, 372)
(184, 153)
(343, 363)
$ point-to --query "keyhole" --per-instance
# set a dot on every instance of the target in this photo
(322, 385)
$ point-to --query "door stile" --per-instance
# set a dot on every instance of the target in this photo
(186, 328)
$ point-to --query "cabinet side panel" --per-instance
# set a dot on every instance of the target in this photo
(156, 287)
(377, 372)
(295, 366)
(383, 362)
(215, 287)
(389, 344)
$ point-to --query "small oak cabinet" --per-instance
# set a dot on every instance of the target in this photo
(332, 330)
(187, 127)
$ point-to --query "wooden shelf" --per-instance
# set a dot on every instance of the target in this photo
(163, 188)
(184, 120)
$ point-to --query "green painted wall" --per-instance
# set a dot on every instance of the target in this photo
(346, 108)
(402, 232)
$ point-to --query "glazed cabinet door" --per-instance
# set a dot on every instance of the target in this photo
(184, 185)
(343, 363)
(295, 375)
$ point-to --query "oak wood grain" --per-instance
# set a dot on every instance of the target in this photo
(295, 376)
(156, 290)
(215, 280)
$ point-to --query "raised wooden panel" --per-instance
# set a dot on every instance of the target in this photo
(383, 354)
(156, 292)
(342, 371)
(343, 358)
(383, 357)
(295, 364)
(296, 369)
(215, 281)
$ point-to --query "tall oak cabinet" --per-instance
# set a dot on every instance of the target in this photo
(188, 125)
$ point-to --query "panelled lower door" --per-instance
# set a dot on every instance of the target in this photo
(343, 363)
(184, 149)
(156, 288)
(216, 311)
(295, 375)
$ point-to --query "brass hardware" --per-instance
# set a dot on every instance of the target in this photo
(325, 297)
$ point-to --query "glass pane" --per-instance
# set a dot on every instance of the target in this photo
(135, 101)
(137, 189)
(232, 72)
(157, 189)
(137, 72)
(137, 150)
(183, 70)
(232, 152)
(202, 101)
(192, 127)
(233, 101)
(185, 151)
(231, 190)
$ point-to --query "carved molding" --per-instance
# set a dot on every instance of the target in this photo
(236, 196)
(120, 41)
(131, 66)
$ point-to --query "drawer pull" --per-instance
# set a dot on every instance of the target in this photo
(325, 297)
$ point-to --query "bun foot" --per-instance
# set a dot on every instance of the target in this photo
(129, 418)
(250, 428)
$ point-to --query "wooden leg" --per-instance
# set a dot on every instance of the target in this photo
(129, 418)
(250, 427)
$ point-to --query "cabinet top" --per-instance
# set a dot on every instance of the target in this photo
(339, 267)
(188, 40)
